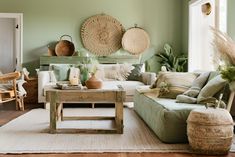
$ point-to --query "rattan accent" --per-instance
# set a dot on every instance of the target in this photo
(102, 34)
(135, 40)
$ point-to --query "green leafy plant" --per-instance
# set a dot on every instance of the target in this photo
(171, 61)
(227, 73)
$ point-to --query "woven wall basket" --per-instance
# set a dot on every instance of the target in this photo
(135, 40)
(102, 34)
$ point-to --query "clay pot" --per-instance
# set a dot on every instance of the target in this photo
(93, 83)
(64, 47)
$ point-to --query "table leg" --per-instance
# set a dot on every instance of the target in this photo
(119, 117)
(53, 113)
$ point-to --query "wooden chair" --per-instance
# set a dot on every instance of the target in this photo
(8, 89)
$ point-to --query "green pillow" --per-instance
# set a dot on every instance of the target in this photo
(61, 71)
(211, 88)
(135, 74)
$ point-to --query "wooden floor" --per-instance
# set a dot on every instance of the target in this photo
(7, 115)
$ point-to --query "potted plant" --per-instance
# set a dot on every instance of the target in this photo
(170, 61)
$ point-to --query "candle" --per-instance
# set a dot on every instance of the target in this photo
(74, 81)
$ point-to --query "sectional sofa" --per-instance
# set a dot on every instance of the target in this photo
(46, 78)
(166, 117)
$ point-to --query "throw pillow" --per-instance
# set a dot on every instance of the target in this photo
(61, 71)
(135, 74)
(185, 99)
(190, 95)
(124, 71)
(211, 88)
(114, 72)
(172, 84)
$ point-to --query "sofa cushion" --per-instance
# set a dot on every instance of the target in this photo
(129, 86)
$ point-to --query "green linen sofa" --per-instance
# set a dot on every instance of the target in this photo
(165, 117)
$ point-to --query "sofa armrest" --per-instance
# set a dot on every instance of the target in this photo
(44, 77)
(148, 78)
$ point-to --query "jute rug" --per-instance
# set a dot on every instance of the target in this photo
(29, 134)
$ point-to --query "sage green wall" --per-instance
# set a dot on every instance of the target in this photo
(162, 20)
(185, 21)
(46, 20)
(231, 18)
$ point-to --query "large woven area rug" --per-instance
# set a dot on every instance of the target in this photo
(29, 134)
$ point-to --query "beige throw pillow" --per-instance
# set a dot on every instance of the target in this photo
(172, 84)
(114, 71)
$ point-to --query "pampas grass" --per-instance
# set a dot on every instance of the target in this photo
(224, 46)
(225, 52)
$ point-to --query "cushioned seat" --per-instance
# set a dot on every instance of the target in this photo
(164, 116)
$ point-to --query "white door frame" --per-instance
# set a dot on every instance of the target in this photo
(18, 36)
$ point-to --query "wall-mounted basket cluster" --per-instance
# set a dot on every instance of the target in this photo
(102, 35)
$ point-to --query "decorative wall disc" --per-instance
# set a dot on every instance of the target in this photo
(135, 40)
(102, 34)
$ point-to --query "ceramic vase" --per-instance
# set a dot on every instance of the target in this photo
(93, 82)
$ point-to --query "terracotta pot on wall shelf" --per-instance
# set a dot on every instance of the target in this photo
(93, 82)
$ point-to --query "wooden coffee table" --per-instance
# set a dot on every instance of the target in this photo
(57, 97)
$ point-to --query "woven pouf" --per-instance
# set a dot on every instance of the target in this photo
(210, 131)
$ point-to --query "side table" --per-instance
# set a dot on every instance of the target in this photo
(31, 87)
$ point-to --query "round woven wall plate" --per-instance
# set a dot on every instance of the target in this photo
(135, 40)
(102, 34)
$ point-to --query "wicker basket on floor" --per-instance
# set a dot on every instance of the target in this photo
(210, 131)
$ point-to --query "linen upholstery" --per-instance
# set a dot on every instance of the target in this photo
(165, 117)
(46, 78)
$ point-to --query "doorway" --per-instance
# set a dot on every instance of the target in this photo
(11, 28)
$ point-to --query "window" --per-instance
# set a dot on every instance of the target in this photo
(202, 15)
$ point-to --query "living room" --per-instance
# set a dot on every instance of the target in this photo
(40, 25)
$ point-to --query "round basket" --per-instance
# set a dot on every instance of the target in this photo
(64, 47)
(102, 34)
(210, 131)
(135, 40)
